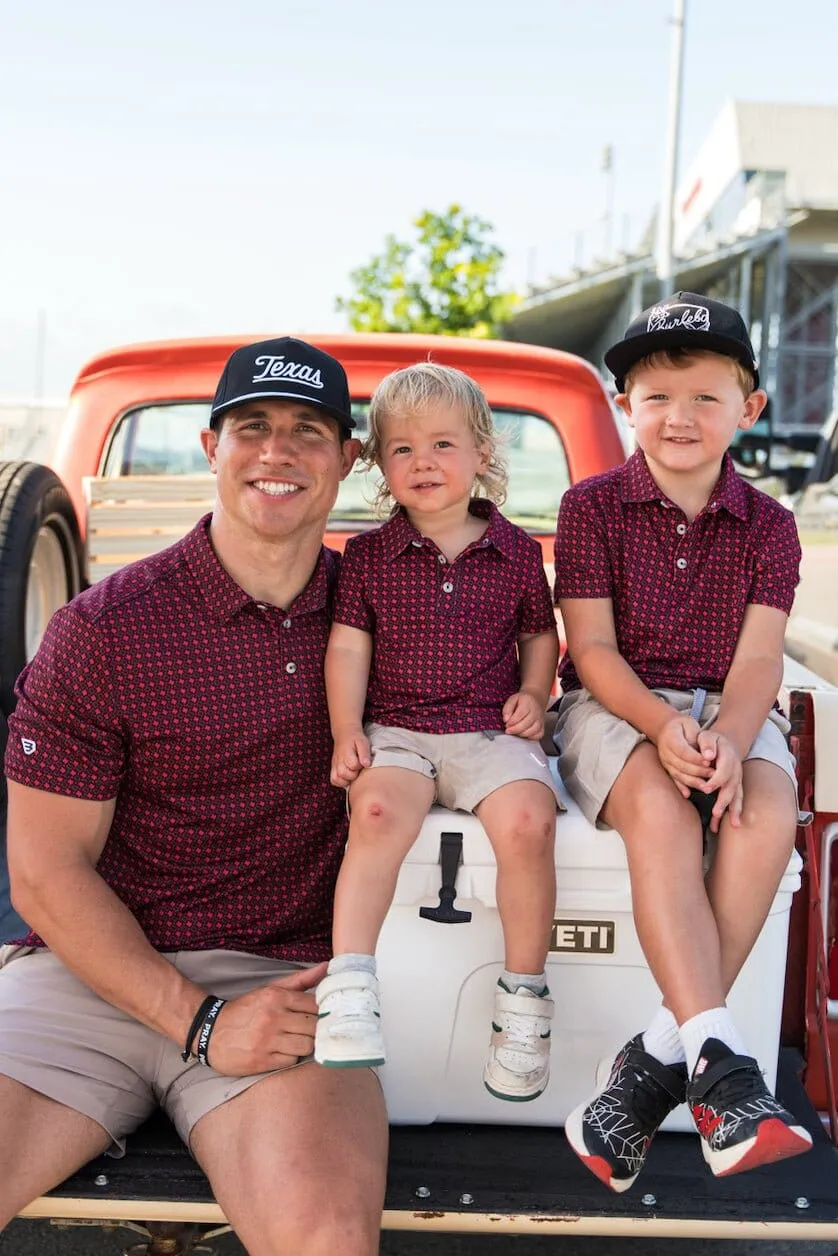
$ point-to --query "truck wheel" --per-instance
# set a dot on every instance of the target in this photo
(41, 563)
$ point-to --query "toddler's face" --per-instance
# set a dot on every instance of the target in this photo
(430, 459)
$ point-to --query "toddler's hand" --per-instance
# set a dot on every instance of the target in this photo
(678, 751)
(349, 757)
(523, 716)
(721, 755)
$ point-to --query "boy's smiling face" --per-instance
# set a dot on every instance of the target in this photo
(685, 416)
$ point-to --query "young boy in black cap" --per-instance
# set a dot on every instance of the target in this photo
(675, 578)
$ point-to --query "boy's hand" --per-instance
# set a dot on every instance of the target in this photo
(349, 757)
(523, 716)
(720, 753)
(680, 756)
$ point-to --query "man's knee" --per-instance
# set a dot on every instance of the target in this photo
(331, 1230)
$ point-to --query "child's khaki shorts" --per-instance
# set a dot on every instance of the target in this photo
(465, 767)
(594, 745)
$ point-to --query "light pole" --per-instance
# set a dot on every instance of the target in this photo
(663, 260)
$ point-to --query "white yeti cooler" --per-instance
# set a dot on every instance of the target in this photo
(438, 979)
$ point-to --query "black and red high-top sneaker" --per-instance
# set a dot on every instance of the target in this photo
(740, 1122)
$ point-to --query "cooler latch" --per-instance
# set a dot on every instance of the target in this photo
(450, 857)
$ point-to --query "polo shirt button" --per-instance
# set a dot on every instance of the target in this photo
(680, 563)
(260, 606)
(448, 587)
(681, 529)
(286, 623)
(290, 668)
(442, 559)
(417, 543)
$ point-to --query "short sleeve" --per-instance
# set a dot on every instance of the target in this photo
(582, 552)
(351, 606)
(777, 571)
(537, 614)
(64, 736)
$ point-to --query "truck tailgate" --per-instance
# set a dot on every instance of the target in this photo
(505, 1180)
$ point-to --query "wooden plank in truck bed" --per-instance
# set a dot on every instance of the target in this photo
(132, 516)
(504, 1179)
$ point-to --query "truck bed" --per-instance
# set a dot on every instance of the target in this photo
(513, 1180)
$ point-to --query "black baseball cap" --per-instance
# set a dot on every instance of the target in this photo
(685, 320)
(285, 368)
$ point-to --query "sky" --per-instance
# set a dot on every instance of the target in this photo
(192, 167)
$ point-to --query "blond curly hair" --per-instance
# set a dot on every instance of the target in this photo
(413, 390)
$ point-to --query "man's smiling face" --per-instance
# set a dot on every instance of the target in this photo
(278, 465)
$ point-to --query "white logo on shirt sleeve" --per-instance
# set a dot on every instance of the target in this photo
(29, 746)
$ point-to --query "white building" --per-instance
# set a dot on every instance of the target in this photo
(756, 224)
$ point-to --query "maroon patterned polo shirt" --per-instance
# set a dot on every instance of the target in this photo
(444, 654)
(679, 589)
(203, 713)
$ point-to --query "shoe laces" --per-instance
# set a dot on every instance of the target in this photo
(521, 1033)
(743, 1085)
(650, 1101)
(352, 1001)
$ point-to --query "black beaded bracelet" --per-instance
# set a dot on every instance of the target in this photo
(205, 1032)
(196, 1024)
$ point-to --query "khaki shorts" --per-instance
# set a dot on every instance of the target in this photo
(594, 745)
(466, 767)
(65, 1042)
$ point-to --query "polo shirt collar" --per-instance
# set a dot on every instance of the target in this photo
(223, 596)
(398, 532)
(637, 485)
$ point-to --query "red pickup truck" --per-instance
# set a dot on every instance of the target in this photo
(128, 478)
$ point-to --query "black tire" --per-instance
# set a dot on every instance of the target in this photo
(36, 515)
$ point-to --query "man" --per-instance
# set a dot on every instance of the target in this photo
(174, 841)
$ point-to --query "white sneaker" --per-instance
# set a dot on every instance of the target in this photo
(518, 1067)
(348, 1033)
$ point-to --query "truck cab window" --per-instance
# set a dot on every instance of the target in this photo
(164, 440)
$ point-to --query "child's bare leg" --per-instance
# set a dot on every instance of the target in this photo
(388, 806)
(675, 924)
(750, 861)
(520, 820)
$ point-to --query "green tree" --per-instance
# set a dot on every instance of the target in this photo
(445, 281)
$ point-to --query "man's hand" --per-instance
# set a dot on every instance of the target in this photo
(680, 756)
(523, 716)
(349, 757)
(721, 755)
(268, 1028)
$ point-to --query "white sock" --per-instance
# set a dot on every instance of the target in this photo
(352, 963)
(537, 982)
(716, 1022)
(663, 1040)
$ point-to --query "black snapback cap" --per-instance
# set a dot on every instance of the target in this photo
(685, 320)
(284, 369)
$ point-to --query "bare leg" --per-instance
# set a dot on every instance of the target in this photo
(520, 820)
(750, 862)
(48, 1143)
(388, 806)
(674, 918)
(298, 1162)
